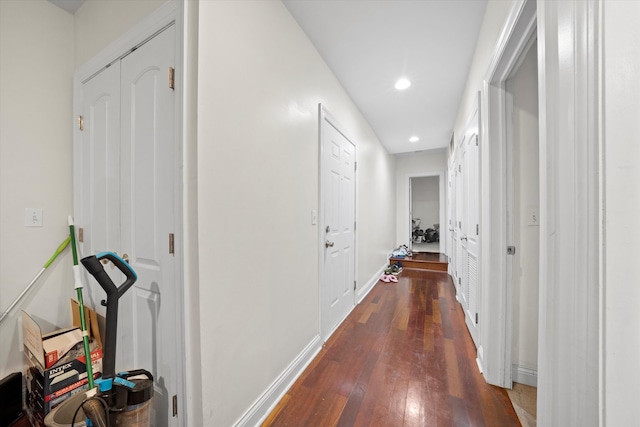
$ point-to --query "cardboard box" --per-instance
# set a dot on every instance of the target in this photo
(55, 364)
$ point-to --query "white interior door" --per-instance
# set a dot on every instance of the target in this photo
(128, 205)
(459, 234)
(471, 227)
(337, 282)
(148, 221)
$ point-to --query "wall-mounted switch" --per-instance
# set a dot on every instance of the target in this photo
(33, 217)
(314, 217)
(534, 219)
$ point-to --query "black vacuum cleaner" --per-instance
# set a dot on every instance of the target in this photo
(119, 399)
(127, 394)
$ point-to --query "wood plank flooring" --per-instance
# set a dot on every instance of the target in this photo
(403, 357)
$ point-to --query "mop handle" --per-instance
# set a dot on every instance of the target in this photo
(58, 251)
(83, 319)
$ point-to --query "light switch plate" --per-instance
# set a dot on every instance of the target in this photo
(534, 219)
(33, 217)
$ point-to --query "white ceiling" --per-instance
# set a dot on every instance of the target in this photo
(369, 44)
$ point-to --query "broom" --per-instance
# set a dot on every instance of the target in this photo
(78, 286)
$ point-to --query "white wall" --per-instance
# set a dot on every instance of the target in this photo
(260, 81)
(621, 293)
(523, 87)
(427, 163)
(98, 23)
(36, 68)
(425, 201)
(495, 16)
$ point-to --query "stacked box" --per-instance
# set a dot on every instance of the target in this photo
(55, 367)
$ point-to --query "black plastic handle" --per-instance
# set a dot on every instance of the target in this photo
(96, 269)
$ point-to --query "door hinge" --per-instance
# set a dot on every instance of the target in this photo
(511, 250)
(476, 318)
(460, 168)
(355, 166)
(80, 234)
(354, 285)
(171, 244)
(80, 123)
(476, 140)
(175, 405)
(477, 229)
(172, 78)
(459, 280)
(355, 225)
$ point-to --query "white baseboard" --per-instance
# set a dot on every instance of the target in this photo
(524, 375)
(364, 291)
(270, 398)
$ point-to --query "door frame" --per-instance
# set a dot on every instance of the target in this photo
(494, 351)
(170, 13)
(441, 203)
(324, 115)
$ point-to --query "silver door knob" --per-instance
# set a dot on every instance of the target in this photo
(328, 244)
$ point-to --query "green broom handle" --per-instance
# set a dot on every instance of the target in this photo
(83, 320)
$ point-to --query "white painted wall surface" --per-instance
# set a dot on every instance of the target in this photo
(98, 23)
(36, 68)
(523, 86)
(495, 16)
(621, 317)
(260, 82)
(430, 162)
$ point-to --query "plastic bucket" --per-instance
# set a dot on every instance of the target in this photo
(62, 415)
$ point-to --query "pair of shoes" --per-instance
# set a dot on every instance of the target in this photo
(396, 269)
(389, 278)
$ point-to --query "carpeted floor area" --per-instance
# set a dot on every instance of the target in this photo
(524, 400)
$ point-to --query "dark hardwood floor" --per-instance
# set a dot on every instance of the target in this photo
(403, 357)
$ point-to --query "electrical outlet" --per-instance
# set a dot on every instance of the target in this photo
(33, 217)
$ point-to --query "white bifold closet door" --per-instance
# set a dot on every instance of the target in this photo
(127, 205)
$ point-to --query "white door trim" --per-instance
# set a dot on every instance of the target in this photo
(167, 14)
(570, 341)
(494, 352)
(324, 115)
(441, 200)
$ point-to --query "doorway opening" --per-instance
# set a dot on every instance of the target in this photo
(426, 212)
(523, 232)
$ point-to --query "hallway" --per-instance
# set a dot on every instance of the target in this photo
(403, 357)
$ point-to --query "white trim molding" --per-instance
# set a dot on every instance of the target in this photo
(496, 307)
(570, 169)
(524, 375)
(363, 291)
(262, 407)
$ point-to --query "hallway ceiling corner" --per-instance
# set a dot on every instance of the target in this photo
(70, 6)
(370, 44)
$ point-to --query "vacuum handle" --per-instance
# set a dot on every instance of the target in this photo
(96, 269)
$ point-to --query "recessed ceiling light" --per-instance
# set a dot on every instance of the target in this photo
(414, 139)
(402, 84)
